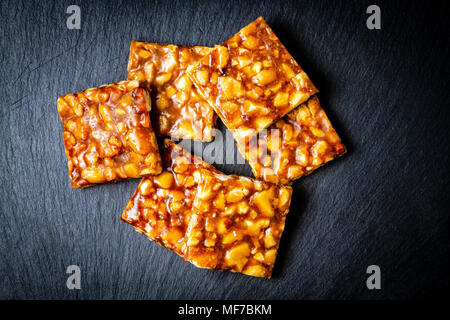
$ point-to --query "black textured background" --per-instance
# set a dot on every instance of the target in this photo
(385, 202)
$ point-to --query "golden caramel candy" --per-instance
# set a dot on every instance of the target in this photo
(251, 80)
(236, 224)
(294, 146)
(107, 134)
(210, 219)
(179, 111)
(161, 205)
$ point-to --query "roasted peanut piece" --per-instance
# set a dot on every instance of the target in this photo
(164, 180)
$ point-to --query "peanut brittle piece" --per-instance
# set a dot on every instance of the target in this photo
(161, 205)
(236, 224)
(294, 146)
(251, 80)
(210, 219)
(108, 135)
(179, 111)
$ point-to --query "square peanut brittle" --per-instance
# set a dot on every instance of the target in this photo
(243, 214)
(108, 135)
(179, 111)
(251, 80)
(161, 205)
(236, 224)
(294, 146)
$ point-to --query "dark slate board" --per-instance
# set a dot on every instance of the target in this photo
(383, 203)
